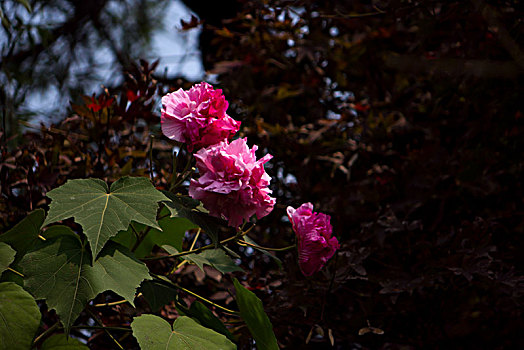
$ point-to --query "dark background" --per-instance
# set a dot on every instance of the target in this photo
(403, 120)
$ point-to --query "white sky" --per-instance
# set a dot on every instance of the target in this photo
(177, 50)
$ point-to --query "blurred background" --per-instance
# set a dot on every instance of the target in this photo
(401, 119)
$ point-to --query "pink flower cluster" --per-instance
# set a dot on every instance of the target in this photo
(315, 244)
(233, 183)
(197, 117)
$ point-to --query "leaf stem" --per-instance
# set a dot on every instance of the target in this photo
(111, 304)
(46, 332)
(240, 234)
(180, 177)
(244, 243)
(140, 238)
(18, 273)
(95, 317)
(103, 327)
(195, 294)
(190, 248)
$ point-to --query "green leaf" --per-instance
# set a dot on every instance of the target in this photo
(118, 270)
(252, 312)
(62, 342)
(19, 317)
(157, 294)
(24, 234)
(7, 256)
(59, 270)
(173, 231)
(206, 318)
(103, 212)
(192, 210)
(21, 238)
(216, 258)
(153, 333)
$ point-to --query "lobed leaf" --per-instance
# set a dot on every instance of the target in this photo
(154, 333)
(59, 270)
(103, 212)
(62, 342)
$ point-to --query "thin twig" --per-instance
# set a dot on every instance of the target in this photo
(103, 327)
(141, 238)
(190, 248)
(95, 317)
(14, 271)
(198, 250)
(244, 243)
(329, 288)
(46, 332)
(195, 294)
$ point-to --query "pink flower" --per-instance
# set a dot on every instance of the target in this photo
(233, 183)
(315, 244)
(197, 117)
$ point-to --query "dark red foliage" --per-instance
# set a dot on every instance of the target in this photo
(400, 119)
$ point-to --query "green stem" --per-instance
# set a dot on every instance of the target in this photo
(46, 332)
(194, 294)
(140, 238)
(112, 303)
(14, 271)
(103, 327)
(184, 178)
(181, 177)
(95, 317)
(176, 267)
(198, 250)
(244, 243)
(175, 165)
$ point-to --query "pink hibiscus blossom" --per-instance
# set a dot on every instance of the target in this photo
(315, 244)
(233, 183)
(197, 117)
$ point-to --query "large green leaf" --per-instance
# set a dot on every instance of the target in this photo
(24, 234)
(173, 231)
(192, 210)
(157, 294)
(118, 270)
(19, 317)
(153, 333)
(206, 318)
(103, 212)
(252, 312)
(21, 238)
(59, 270)
(62, 342)
(216, 258)
(7, 256)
